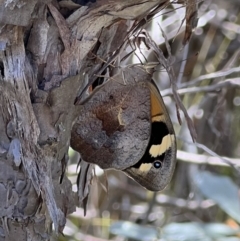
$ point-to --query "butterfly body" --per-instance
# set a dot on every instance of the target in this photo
(124, 125)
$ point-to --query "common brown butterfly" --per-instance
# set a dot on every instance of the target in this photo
(124, 125)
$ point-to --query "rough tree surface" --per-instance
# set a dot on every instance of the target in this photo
(47, 48)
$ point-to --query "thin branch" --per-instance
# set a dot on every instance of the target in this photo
(183, 64)
(165, 200)
(210, 88)
(228, 161)
(211, 76)
(166, 62)
(161, 199)
(204, 159)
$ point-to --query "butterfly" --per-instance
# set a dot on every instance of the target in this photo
(124, 125)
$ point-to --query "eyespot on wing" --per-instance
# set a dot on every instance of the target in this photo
(161, 149)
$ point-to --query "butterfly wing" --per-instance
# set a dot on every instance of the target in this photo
(113, 127)
(155, 169)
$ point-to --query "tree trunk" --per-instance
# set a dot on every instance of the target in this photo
(47, 50)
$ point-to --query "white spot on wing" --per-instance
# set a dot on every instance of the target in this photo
(145, 167)
(158, 150)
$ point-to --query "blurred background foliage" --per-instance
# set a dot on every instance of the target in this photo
(202, 201)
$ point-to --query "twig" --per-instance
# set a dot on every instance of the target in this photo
(183, 64)
(204, 159)
(161, 199)
(211, 76)
(107, 63)
(151, 204)
(225, 160)
(166, 62)
(165, 200)
(215, 87)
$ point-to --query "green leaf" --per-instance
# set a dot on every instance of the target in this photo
(222, 190)
(198, 232)
(216, 230)
(184, 232)
(134, 231)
